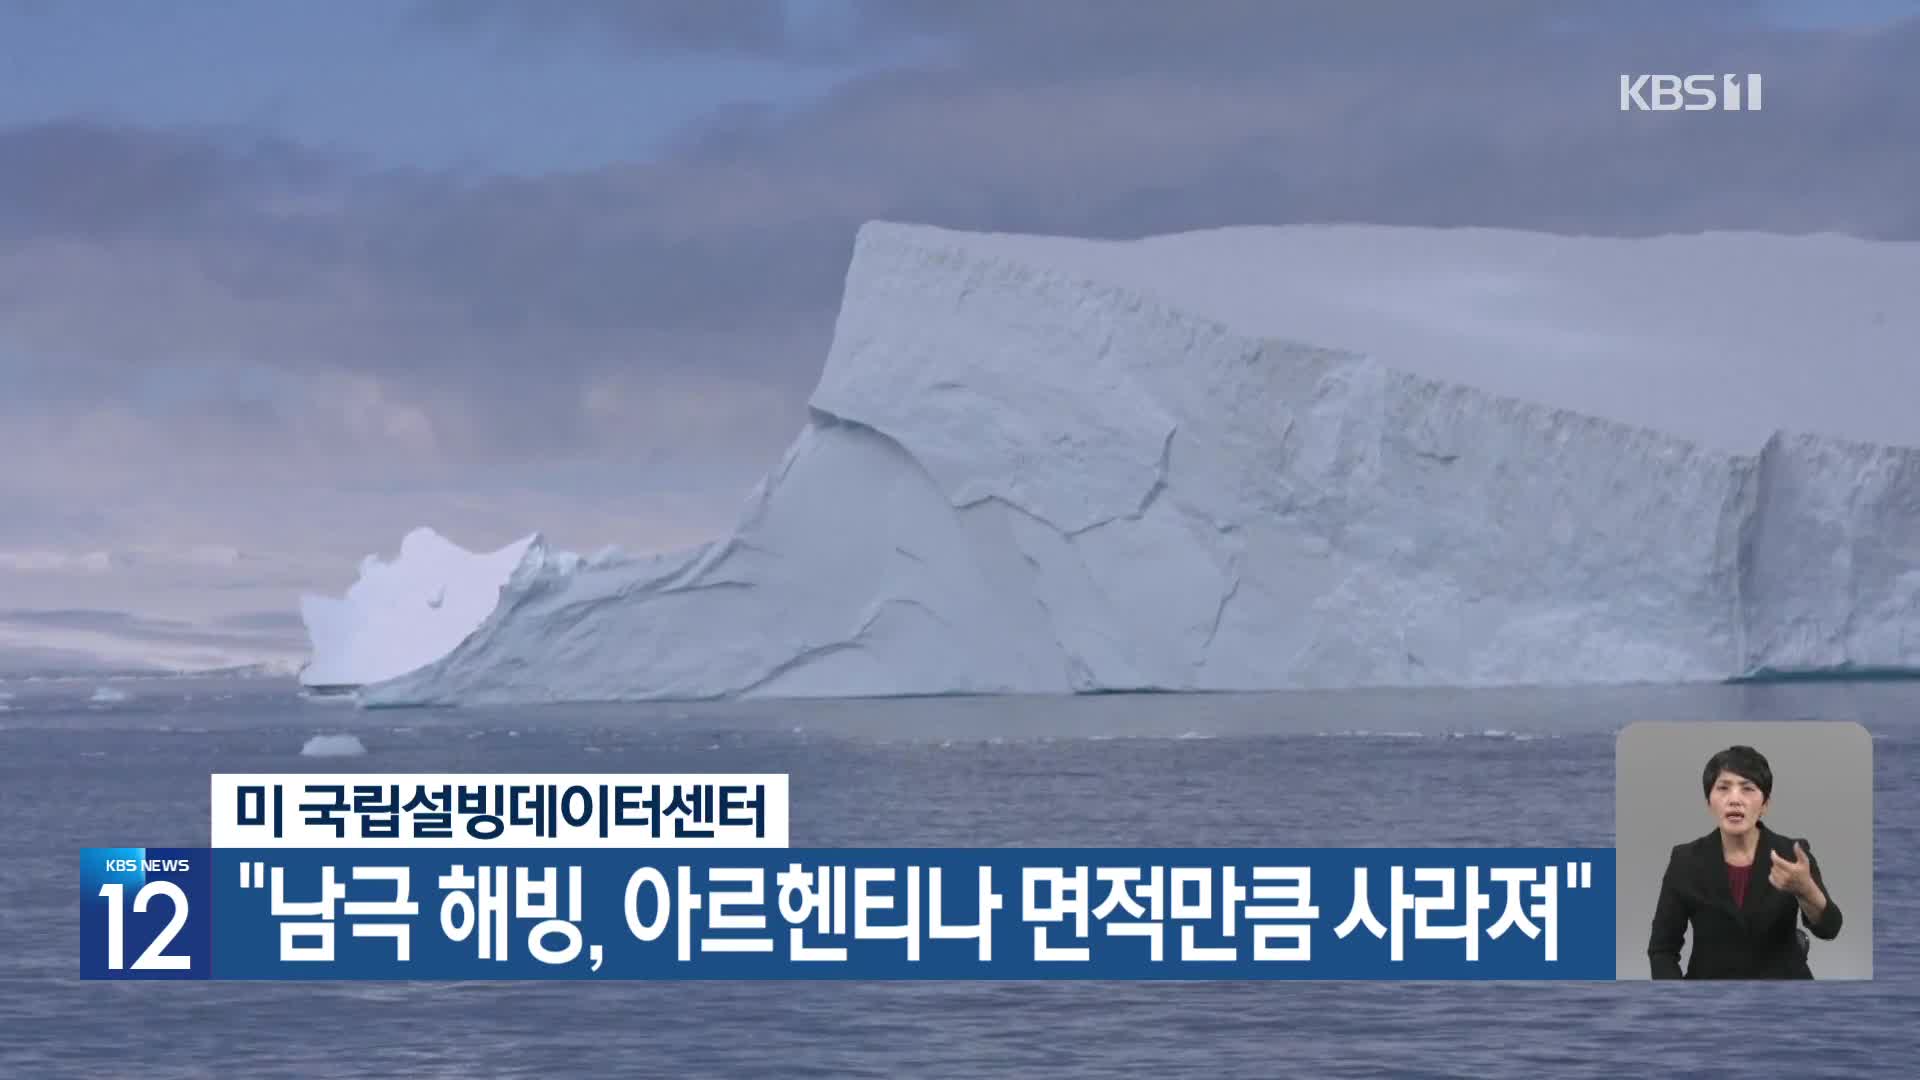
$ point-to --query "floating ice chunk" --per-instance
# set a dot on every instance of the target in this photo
(333, 746)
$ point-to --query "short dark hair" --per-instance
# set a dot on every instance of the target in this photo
(1742, 761)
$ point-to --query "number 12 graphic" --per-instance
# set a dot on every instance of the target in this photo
(154, 957)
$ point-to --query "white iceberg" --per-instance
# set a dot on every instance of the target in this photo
(1275, 458)
(403, 614)
(333, 746)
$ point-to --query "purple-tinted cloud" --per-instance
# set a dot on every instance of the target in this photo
(199, 297)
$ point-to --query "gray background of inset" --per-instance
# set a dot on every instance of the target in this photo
(1822, 792)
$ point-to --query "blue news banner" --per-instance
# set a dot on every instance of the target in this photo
(1093, 913)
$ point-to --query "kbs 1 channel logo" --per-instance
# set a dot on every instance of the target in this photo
(1690, 93)
(434, 877)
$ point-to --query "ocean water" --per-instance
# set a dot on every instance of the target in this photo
(80, 769)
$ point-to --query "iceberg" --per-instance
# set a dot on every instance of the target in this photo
(333, 746)
(401, 615)
(1268, 458)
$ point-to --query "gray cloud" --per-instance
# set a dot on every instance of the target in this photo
(19, 660)
(82, 639)
(33, 518)
(266, 627)
(90, 180)
(209, 297)
(1520, 129)
(321, 314)
(805, 32)
(82, 619)
(283, 621)
(1076, 37)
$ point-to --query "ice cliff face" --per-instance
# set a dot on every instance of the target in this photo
(403, 614)
(1831, 580)
(1019, 478)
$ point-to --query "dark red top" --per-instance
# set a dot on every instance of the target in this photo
(1737, 878)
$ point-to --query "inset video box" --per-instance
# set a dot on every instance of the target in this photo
(499, 810)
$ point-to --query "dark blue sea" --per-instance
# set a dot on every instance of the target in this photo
(1334, 769)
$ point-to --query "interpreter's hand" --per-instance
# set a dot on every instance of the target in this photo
(1792, 876)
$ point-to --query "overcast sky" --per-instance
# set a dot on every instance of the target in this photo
(280, 281)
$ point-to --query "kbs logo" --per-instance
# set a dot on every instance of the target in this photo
(1693, 93)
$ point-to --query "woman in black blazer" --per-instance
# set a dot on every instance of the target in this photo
(1742, 887)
